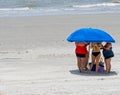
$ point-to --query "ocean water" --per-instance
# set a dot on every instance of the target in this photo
(12, 8)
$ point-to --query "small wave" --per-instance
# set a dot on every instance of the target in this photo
(15, 9)
(96, 5)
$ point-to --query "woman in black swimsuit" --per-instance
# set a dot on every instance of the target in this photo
(95, 55)
(108, 54)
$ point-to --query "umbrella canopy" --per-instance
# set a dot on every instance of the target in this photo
(90, 35)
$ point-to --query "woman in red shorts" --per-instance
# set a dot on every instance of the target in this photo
(81, 52)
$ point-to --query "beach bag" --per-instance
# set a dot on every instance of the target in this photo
(100, 68)
(94, 67)
(108, 53)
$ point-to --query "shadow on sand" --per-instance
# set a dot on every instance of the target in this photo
(76, 72)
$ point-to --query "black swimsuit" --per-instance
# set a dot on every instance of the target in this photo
(95, 53)
(80, 55)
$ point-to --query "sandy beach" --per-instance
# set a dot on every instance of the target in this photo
(36, 59)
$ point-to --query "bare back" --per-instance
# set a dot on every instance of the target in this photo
(96, 47)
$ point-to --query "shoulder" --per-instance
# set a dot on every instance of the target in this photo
(76, 43)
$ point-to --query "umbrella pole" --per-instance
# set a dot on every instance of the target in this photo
(88, 59)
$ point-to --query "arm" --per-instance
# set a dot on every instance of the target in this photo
(101, 46)
(91, 45)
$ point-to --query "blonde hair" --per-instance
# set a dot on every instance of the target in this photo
(96, 46)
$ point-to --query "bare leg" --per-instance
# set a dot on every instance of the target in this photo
(82, 64)
(97, 62)
(86, 60)
(78, 63)
(93, 61)
(108, 65)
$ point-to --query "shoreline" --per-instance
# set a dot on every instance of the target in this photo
(61, 15)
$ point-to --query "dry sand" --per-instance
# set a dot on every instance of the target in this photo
(36, 59)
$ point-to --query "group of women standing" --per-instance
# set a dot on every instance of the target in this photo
(82, 55)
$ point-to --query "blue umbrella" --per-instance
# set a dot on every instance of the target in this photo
(90, 35)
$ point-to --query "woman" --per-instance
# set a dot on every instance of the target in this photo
(108, 54)
(81, 51)
(96, 54)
